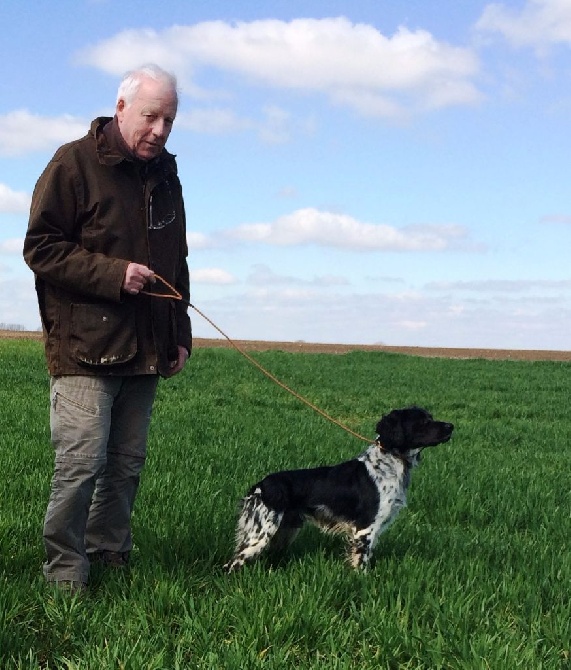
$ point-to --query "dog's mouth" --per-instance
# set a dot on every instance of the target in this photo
(449, 431)
(444, 436)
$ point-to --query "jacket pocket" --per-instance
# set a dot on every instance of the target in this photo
(102, 334)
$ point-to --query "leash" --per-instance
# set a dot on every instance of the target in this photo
(175, 295)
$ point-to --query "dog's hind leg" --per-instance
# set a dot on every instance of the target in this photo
(257, 526)
(287, 532)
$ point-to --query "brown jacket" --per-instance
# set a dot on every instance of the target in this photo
(89, 219)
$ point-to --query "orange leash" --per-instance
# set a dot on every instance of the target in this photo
(175, 295)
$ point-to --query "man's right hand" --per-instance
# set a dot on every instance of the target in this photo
(136, 277)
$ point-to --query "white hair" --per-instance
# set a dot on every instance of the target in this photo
(132, 81)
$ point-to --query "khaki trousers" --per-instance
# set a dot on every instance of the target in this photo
(99, 428)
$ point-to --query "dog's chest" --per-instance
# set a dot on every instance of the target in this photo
(389, 474)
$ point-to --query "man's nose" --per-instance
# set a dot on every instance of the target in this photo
(160, 128)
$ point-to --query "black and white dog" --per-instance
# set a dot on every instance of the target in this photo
(359, 498)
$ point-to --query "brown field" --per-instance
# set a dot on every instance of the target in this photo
(315, 348)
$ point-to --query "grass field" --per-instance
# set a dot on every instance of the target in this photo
(475, 573)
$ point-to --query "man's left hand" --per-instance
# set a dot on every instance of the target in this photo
(178, 365)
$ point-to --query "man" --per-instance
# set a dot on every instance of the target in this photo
(107, 215)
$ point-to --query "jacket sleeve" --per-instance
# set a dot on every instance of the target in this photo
(52, 246)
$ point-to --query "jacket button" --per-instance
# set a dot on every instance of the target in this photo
(152, 368)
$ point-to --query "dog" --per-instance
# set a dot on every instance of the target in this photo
(359, 498)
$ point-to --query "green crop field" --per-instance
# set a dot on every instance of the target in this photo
(475, 573)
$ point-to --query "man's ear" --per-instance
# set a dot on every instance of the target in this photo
(120, 106)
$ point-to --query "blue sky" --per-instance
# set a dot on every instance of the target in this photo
(357, 172)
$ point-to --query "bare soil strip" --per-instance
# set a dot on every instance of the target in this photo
(316, 348)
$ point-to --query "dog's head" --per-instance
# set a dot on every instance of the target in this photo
(406, 432)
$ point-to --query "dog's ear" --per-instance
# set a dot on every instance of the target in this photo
(390, 431)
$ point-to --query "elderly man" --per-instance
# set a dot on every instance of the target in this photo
(107, 214)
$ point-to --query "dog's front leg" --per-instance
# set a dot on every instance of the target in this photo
(361, 547)
(363, 540)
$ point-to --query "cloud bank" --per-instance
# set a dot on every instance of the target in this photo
(327, 229)
(22, 132)
(540, 23)
(353, 64)
(13, 201)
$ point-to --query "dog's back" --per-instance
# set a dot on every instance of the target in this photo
(345, 490)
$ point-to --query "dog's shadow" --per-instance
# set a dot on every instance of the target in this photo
(206, 553)
(392, 548)
(313, 545)
(173, 552)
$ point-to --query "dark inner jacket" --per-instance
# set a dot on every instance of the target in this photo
(95, 209)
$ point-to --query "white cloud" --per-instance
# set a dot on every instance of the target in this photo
(18, 302)
(414, 319)
(13, 201)
(412, 325)
(12, 247)
(129, 48)
(275, 126)
(503, 285)
(199, 241)
(353, 64)
(263, 275)
(311, 226)
(539, 24)
(564, 219)
(212, 120)
(22, 132)
(276, 129)
(211, 276)
(287, 192)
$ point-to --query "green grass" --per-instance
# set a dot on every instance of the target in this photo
(475, 573)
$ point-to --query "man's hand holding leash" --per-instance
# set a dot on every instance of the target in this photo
(137, 276)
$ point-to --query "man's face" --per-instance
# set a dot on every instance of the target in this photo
(146, 123)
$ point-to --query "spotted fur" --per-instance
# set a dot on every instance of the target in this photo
(359, 498)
